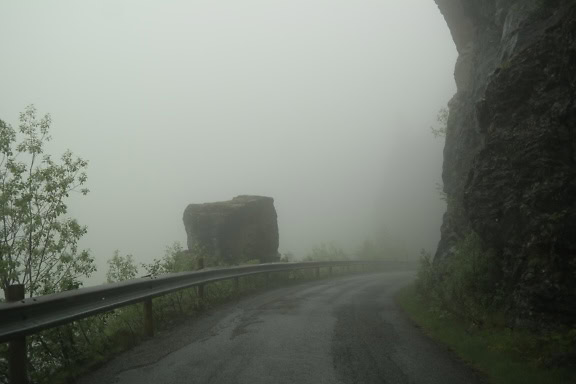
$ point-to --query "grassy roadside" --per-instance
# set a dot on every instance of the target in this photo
(502, 354)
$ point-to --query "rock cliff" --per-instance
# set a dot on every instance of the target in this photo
(510, 156)
(231, 232)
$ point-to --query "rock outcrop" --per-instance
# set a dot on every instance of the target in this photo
(231, 232)
(510, 156)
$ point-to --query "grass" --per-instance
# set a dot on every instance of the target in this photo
(503, 355)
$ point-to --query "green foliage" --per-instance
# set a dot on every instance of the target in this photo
(121, 268)
(38, 241)
(61, 354)
(505, 355)
(427, 280)
(73, 346)
(467, 284)
(443, 195)
(442, 120)
(326, 252)
(176, 259)
(466, 288)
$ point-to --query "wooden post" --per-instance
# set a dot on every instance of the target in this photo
(148, 318)
(200, 292)
(17, 359)
(237, 285)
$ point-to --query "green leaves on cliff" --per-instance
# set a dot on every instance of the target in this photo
(461, 301)
(465, 283)
(442, 123)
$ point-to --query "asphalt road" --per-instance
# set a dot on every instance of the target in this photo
(344, 330)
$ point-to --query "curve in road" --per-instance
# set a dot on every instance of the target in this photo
(342, 331)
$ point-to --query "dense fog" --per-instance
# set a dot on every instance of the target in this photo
(324, 105)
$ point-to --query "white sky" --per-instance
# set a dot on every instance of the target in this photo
(324, 105)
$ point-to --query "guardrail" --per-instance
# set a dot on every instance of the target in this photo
(20, 317)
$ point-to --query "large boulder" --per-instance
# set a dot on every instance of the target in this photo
(232, 232)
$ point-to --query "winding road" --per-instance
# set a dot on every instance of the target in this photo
(342, 331)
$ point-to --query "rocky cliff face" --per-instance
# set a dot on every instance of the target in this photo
(231, 232)
(510, 155)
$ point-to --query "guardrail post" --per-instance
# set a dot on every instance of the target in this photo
(148, 318)
(200, 292)
(17, 360)
(237, 285)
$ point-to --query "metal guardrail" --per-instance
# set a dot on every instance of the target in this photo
(31, 315)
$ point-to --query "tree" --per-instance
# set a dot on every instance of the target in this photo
(38, 240)
(442, 119)
(121, 268)
(440, 131)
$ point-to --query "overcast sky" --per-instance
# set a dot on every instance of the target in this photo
(324, 105)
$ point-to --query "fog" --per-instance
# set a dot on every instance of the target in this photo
(324, 105)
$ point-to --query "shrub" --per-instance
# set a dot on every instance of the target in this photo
(176, 259)
(121, 268)
(467, 287)
(465, 284)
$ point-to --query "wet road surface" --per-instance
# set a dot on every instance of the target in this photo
(344, 330)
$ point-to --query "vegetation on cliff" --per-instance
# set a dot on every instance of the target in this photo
(464, 305)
